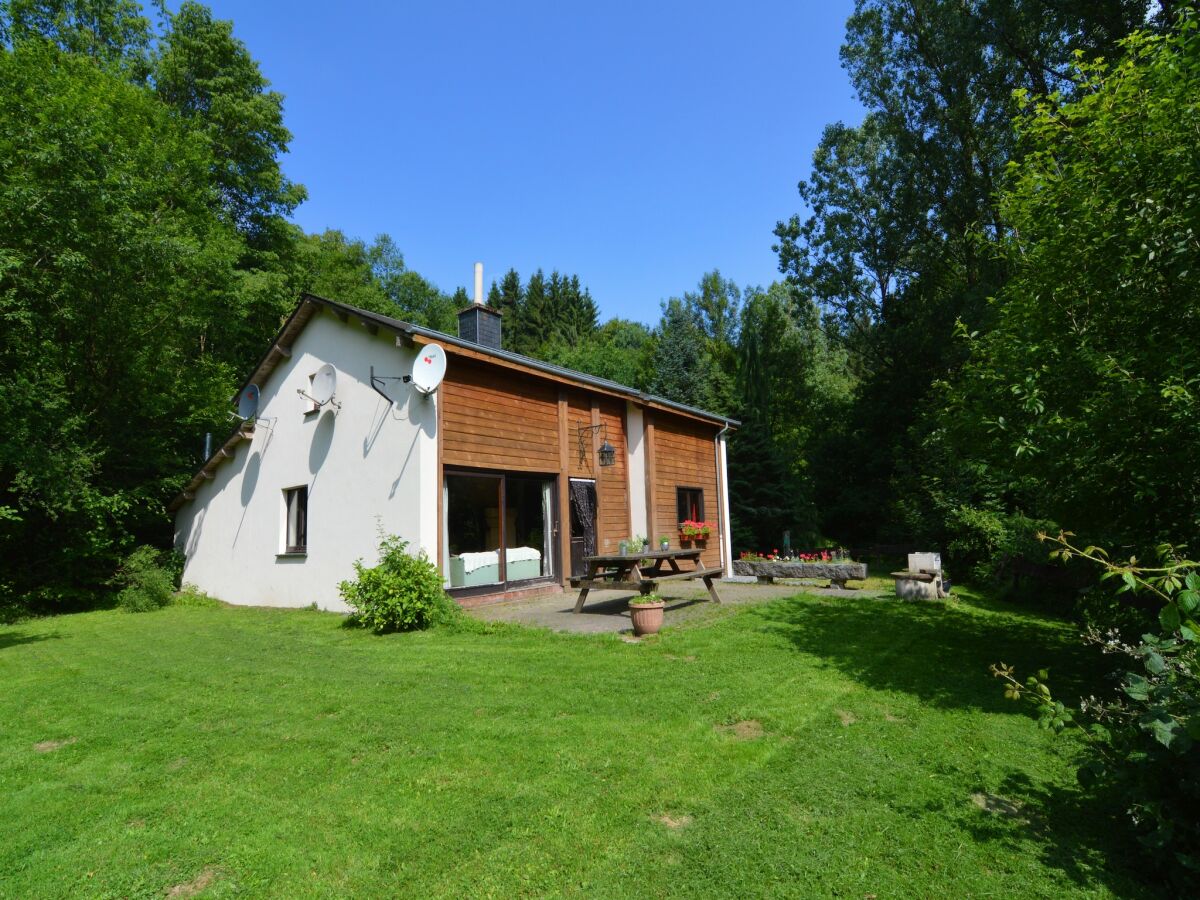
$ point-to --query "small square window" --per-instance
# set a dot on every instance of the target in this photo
(295, 502)
(689, 504)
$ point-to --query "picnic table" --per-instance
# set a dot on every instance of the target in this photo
(643, 572)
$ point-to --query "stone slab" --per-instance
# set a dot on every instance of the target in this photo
(832, 571)
(925, 562)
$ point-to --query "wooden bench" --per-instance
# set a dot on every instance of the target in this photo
(627, 573)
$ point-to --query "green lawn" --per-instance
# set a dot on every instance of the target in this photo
(809, 747)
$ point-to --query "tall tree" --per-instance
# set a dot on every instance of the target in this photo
(682, 370)
(1083, 402)
(113, 33)
(903, 237)
(208, 76)
(115, 278)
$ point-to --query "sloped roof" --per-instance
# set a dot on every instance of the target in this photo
(309, 304)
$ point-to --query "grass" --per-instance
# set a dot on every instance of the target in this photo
(807, 747)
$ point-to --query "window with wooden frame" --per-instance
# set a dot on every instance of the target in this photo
(295, 519)
(689, 504)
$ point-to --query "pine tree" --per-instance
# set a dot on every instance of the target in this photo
(680, 365)
(535, 320)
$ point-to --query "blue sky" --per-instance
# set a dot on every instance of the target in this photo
(637, 145)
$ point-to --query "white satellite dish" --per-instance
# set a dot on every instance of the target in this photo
(248, 402)
(429, 368)
(324, 383)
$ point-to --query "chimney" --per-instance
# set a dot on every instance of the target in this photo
(480, 323)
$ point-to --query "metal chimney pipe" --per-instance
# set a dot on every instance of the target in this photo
(479, 282)
(207, 445)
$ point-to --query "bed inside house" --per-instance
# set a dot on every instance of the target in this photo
(478, 569)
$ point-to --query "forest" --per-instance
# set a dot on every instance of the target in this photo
(983, 326)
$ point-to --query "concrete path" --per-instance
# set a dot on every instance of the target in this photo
(608, 612)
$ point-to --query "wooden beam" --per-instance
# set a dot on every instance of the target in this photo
(283, 351)
(225, 452)
(564, 486)
(205, 473)
(371, 327)
(345, 317)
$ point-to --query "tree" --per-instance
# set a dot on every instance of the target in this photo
(793, 389)
(682, 371)
(113, 33)
(620, 350)
(508, 297)
(904, 235)
(209, 78)
(1084, 399)
(115, 277)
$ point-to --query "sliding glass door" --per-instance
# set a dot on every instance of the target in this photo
(485, 512)
(474, 530)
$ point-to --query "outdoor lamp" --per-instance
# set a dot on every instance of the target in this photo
(606, 451)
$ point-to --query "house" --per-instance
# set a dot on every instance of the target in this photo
(507, 475)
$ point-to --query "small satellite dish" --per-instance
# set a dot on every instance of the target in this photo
(324, 383)
(248, 402)
(429, 368)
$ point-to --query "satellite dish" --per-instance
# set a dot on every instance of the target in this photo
(248, 402)
(324, 383)
(429, 368)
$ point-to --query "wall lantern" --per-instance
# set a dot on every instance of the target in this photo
(607, 452)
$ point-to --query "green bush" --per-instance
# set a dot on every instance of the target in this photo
(190, 595)
(1143, 741)
(147, 579)
(987, 545)
(401, 593)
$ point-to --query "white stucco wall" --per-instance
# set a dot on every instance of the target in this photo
(726, 533)
(367, 466)
(635, 440)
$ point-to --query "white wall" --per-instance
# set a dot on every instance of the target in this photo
(635, 440)
(366, 466)
(726, 534)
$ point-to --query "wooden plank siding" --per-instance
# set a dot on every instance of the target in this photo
(507, 422)
(612, 483)
(579, 415)
(685, 456)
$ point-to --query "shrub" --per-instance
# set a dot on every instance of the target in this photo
(990, 545)
(190, 595)
(147, 579)
(401, 593)
(1145, 740)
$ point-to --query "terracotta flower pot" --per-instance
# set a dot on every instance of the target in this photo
(647, 617)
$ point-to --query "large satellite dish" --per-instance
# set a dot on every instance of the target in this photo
(429, 368)
(324, 383)
(248, 402)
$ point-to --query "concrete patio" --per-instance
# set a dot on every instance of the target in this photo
(607, 611)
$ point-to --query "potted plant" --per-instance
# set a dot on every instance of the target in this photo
(647, 614)
(694, 531)
(639, 544)
(623, 548)
(664, 543)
